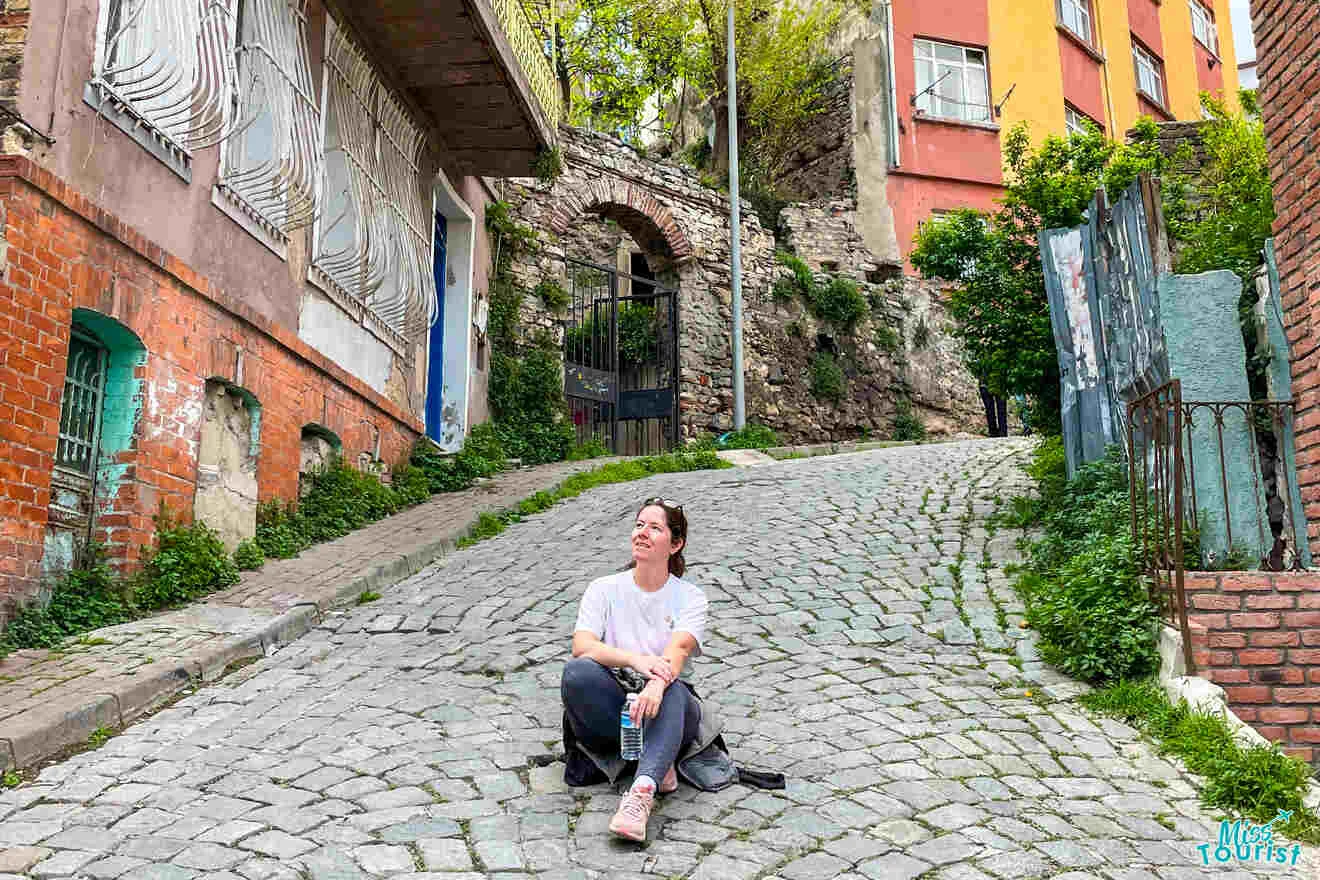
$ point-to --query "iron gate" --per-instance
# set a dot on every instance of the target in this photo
(621, 359)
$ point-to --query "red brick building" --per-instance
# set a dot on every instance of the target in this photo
(1288, 56)
(235, 236)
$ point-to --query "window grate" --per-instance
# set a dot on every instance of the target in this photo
(80, 410)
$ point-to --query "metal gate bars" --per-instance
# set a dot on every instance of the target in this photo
(621, 359)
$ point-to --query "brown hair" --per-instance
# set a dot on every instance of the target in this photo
(678, 530)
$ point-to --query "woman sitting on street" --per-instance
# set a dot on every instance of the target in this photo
(646, 619)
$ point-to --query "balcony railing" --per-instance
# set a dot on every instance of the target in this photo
(528, 47)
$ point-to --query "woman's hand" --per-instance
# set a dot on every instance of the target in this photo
(653, 667)
(647, 704)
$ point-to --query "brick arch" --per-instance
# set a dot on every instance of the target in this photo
(647, 220)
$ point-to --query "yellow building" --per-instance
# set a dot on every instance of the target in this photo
(966, 71)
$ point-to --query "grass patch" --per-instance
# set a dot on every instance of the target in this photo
(367, 596)
(1253, 783)
(488, 525)
(11, 779)
(99, 737)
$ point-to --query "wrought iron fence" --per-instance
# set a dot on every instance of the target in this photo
(1168, 508)
(1155, 500)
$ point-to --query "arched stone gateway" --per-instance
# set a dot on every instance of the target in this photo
(646, 225)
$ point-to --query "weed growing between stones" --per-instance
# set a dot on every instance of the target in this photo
(367, 596)
(1082, 585)
(1253, 783)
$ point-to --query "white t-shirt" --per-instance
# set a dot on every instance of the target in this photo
(623, 615)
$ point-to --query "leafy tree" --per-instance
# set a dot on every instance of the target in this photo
(1000, 307)
(1233, 214)
(617, 58)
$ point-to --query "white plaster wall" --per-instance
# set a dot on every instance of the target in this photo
(328, 329)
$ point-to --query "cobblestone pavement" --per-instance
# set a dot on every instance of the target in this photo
(412, 734)
(50, 699)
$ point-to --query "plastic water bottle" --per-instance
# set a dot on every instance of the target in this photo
(630, 734)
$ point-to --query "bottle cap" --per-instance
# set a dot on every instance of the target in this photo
(632, 698)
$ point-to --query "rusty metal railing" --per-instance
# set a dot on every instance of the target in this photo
(1156, 501)
(1165, 504)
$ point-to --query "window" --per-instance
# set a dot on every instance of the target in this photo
(272, 157)
(374, 231)
(1075, 15)
(951, 81)
(1150, 78)
(80, 408)
(1203, 26)
(168, 63)
(1077, 122)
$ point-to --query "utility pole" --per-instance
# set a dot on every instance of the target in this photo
(735, 236)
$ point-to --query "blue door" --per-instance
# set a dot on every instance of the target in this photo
(435, 384)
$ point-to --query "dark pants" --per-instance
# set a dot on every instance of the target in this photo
(594, 701)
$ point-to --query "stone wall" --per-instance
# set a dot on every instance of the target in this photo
(14, 17)
(821, 164)
(682, 228)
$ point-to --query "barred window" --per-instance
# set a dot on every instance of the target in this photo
(80, 408)
(951, 81)
(1077, 122)
(272, 159)
(373, 239)
(170, 64)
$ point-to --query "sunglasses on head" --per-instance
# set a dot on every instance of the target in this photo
(663, 502)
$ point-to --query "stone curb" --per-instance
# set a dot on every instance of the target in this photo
(52, 732)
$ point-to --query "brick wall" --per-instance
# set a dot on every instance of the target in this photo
(1288, 52)
(62, 253)
(1257, 635)
(14, 16)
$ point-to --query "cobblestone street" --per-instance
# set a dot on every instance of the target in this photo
(848, 649)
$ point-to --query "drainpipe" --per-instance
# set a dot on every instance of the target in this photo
(59, 60)
(894, 157)
(1104, 67)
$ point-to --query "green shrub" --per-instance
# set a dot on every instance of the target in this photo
(907, 424)
(528, 406)
(552, 293)
(1094, 613)
(248, 556)
(784, 289)
(888, 339)
(593, 448)
(1083, 586)
(280, 533)
(838, 302)
(752, 436)
(342, 499)
(826, 377)
(921, 335)
(548, 165)
(188, 561)
(86, 598)
(410, 485)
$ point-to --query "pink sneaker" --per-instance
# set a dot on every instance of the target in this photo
(630, 820)
(670, 782)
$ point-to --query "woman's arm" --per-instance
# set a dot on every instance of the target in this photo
(587, 644)
(680, 647)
